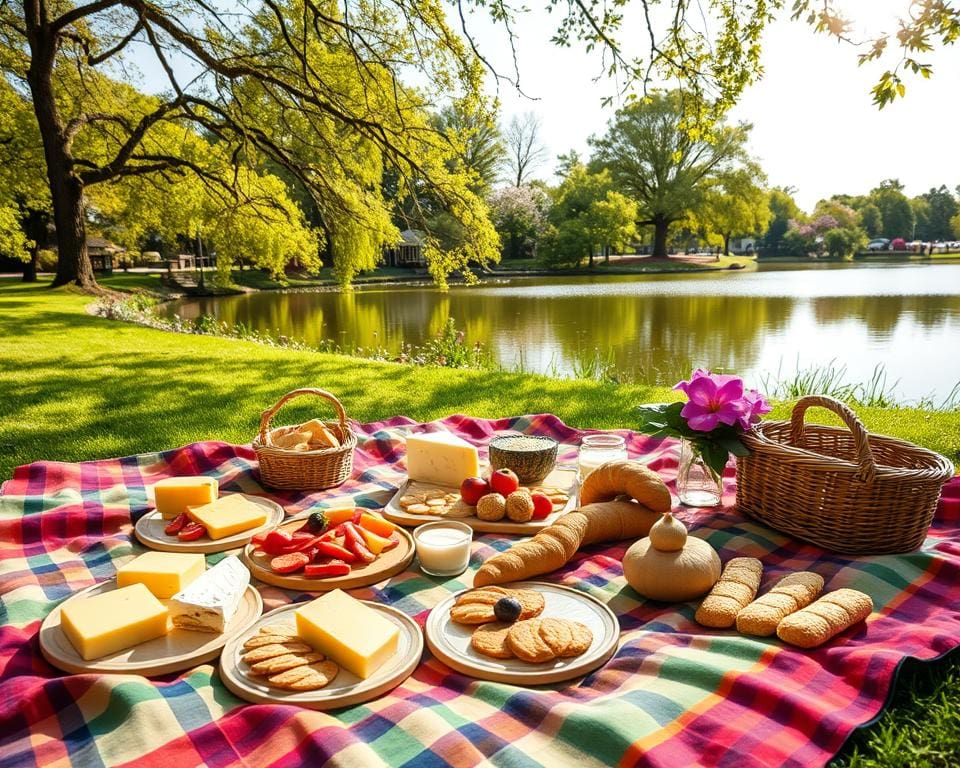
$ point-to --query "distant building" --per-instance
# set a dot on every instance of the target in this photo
(101, 252)
(409, 251)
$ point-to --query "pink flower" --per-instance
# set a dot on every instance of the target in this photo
(758, 407)
(714, 399)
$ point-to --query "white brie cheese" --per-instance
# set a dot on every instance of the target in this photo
(209, 602)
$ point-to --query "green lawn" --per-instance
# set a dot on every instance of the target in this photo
(79, 387)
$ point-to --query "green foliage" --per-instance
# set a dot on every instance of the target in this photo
(519, 214)
(844, 242)
(955, 226)
(941, 207)
(783, 210)
(895, 209)
(871, 220)
(478, 144)
(734, 203)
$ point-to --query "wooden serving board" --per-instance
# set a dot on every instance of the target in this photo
(178, 649)
(149, 530)
(450, 642)
(561, 477)
(346, 689)
(388, 564)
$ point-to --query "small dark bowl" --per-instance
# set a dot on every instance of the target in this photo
(531, 457)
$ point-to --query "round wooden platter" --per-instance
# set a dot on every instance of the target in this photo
(178, 649)
(450, 642)
(561, 477)
(149, 530)
(346, 689)
(388, 564)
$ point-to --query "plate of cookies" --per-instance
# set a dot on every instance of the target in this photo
(530, 633)
(271, 664)
(418, 502)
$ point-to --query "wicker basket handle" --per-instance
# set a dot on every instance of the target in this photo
(268, 414)
(868, 469)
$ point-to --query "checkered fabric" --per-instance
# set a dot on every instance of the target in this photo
(675, 694)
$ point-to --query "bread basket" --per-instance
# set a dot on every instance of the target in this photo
(305, 470)
(842, 489)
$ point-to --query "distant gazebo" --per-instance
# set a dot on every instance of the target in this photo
(409, 251)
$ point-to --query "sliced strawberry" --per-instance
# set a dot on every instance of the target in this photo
(333, 568)
(392, 541)
(258, 540)
(355, 543)
(299, 543)
(276, 541)
(289, 563)
(175, 526)
(191, 532)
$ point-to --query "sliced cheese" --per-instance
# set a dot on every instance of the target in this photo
(111, 621)
(441, 458)
(163, 573)
(229, 515)
(173, 495)
(352, 634)
(208, 604)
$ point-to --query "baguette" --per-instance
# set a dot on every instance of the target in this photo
(737, 586)
(828, 616)
(556, 544)
(788, 595)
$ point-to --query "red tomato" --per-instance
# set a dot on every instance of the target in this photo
(276, 541)
(289, 563)
(176, 525)
(191, 532)
(542, 506)
(504, 482)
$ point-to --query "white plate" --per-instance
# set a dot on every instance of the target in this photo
(178, 649)
(450, 642)
(346, 689)
(561, 477)
(149, 530)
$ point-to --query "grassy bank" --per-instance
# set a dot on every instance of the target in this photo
(78, 387)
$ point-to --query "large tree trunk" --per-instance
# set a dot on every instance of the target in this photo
(30, 267)
(660, 227)
(34, 223)
(726, 245)
(66, 188)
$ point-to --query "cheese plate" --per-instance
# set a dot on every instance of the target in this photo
(451, 642)
(562, 478)
(178, 649)
(149, 530)
(346, 689)
(388, 563)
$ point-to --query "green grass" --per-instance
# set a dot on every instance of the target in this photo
(77, 387)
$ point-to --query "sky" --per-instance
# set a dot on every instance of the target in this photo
(814, 125)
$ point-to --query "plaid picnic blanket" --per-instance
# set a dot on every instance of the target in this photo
(674, 693)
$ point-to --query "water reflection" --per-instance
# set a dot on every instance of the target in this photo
(655, 328)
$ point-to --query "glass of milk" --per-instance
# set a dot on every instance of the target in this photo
(443, 547)
(599, 449)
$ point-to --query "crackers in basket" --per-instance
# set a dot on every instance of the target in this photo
(280, 656)
(312, 435)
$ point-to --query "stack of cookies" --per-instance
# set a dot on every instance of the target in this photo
(435, 501)
(529, 637)
(278, 654)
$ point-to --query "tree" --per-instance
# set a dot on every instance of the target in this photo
(519, 214)
(921, 217)
(871, 220)
(477, 140)
(955, 226)
(525, 149)
(783, 210)
(942, 207)
(734, 204)
(566, 162)
(61, 54)
(660, 165)
(895, 210)
(587, 216)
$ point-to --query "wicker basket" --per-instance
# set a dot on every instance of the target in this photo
(842, 489)
(305, 470)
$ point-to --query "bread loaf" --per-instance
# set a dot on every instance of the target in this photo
(790, 594)
(630, 478)
(737, 586)
(828, 616)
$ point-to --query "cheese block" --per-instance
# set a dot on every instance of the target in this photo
(111, 621)
(163, 573)
(208, 604)
(173, 495)
(441, 458)
(352, 634)
(229, 515)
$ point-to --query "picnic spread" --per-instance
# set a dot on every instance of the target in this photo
(256, 604)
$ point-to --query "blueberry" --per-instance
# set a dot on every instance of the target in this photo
(507, 609)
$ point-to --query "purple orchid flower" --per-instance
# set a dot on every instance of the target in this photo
(717, 399)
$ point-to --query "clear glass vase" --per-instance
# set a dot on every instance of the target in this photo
(697, 484)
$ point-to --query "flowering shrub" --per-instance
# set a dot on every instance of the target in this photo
(717, 412)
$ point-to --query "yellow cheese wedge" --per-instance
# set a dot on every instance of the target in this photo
(352, 634)
(441, 458)
(111, 621)
(163, 573)
(174, 494)
(229, 515)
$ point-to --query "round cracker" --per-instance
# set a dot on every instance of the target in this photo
(525, 642)
(491, 640)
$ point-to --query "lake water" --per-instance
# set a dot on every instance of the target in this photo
(655, 328)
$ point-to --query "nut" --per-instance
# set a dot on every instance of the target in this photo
(491, 507)
(520, 506)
